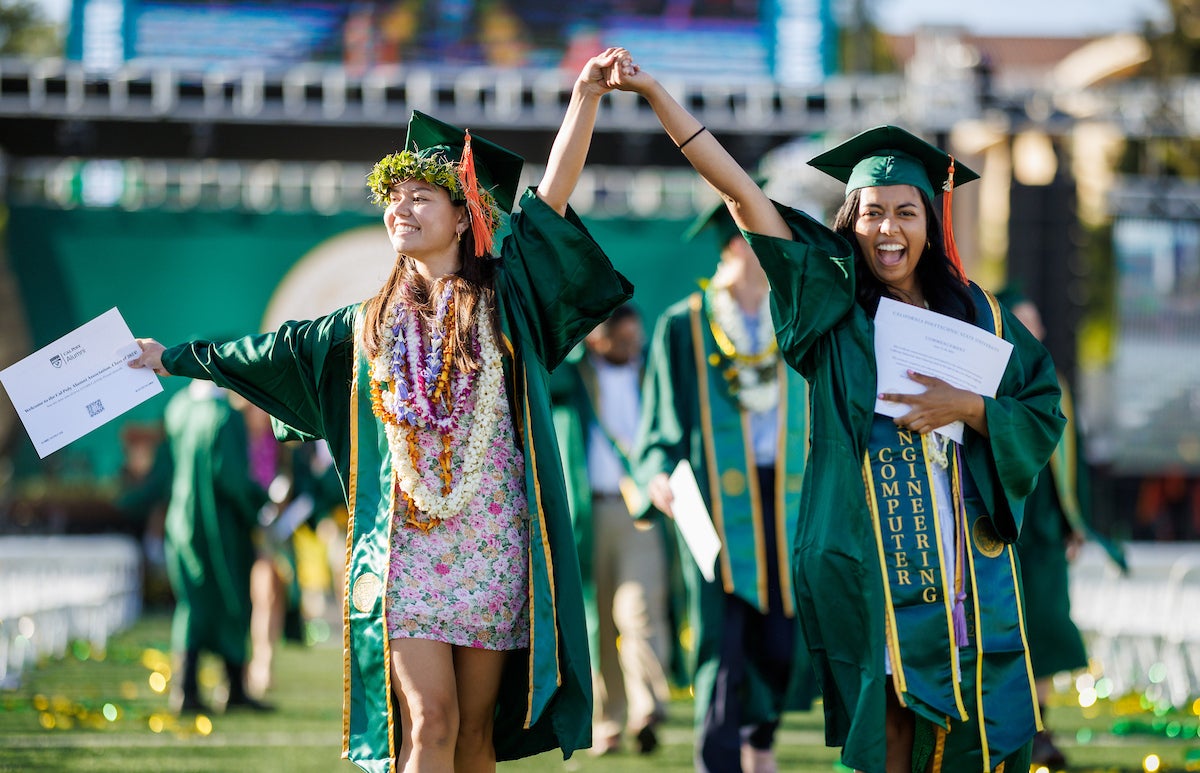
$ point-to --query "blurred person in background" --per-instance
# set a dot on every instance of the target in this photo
(718, 396)
(1057, 523)
(597, 395)
(211, 519)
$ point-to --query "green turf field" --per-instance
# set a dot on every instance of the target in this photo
(92, 712)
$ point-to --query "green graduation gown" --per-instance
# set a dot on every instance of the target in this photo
(553, 285)
(689, 413)
(829, 339)
(1058, 506)
(212, 513)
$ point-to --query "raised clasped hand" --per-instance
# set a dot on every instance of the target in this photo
(604, 70)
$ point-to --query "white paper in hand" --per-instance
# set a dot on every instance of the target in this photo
(693, 521)
(65, 390)
(911, 338)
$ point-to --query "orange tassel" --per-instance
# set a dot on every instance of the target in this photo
(948, 223)
(481, 225)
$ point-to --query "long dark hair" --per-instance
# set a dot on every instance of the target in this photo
(472, 284)
(943, 288)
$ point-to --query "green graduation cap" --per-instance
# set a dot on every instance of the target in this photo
(498, 169)
(473, 169)
(888, 155)
(719, 220)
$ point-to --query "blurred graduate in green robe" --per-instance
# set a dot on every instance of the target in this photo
(905, 577)
(465, 635)
(211, 518)
(1057, 523)
(719, 396)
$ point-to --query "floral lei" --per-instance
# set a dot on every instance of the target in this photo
(412, 388)
(750, 367)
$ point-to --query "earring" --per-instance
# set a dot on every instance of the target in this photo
(460, 236)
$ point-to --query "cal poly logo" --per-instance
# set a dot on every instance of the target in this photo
(56, 360)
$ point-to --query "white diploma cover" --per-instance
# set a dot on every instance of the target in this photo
(65, 390)
(693, 521)
(911, 338)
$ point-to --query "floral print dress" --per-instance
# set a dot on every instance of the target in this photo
(465, 581)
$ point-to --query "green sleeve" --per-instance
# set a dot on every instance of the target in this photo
(567, 283)
(289, 373)
(1024, 424)
(812, 283)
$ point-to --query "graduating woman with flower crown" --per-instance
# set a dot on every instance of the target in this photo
(905, 575)
(465, 638)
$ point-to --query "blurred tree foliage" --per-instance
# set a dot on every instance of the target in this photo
(1174, 56)
(25, 31)
(862, 47)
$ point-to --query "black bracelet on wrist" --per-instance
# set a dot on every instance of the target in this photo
(683, 144)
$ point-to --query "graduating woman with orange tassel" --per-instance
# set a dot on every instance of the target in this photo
(905, 576)
(465, 639)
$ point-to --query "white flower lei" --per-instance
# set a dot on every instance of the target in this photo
(484, 421)
(757, 385)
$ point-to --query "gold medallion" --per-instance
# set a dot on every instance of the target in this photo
(733, 483)
(986, 539)
(366, 590)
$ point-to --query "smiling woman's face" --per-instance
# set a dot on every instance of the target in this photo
(421, 220)
(891, 229)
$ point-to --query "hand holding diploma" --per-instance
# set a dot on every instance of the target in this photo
(938, 406)
(933, 370)
(79, 382)
(151, 356)
(693, 520)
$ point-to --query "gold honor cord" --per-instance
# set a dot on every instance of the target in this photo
(891, 633)
(730, 351)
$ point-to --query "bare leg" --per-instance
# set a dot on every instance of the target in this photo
(901, 731)
(423, 680)
(266, 623)
(477, 672)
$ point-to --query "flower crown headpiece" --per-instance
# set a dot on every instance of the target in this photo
(434, 165)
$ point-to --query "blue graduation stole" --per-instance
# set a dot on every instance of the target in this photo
(981, 696)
